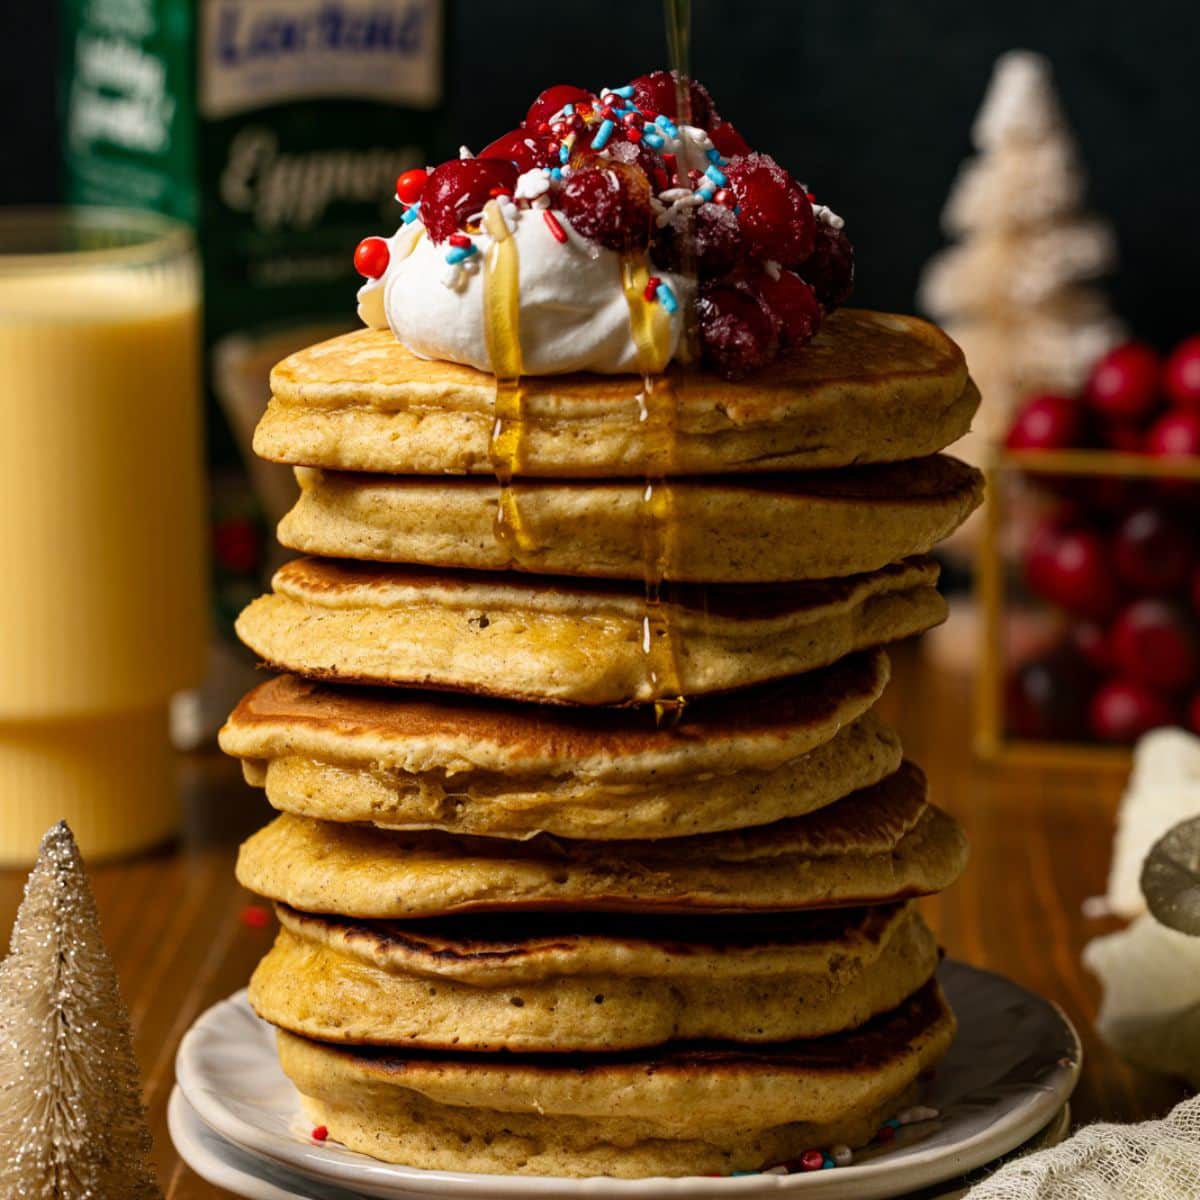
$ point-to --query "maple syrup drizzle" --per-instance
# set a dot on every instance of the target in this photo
(649, 326)
(501, 306)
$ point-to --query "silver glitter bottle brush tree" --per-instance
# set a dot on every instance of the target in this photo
(72, 1124)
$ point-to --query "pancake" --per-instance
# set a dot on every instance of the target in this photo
(415, 760)
(573, 983)
(879, 845)
(711, 1109)
(871, 387)
(553, 640)
(736, 529)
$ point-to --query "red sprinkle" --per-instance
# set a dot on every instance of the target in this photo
(410, 185)
(812, 1160)
(631, 119)
(371, 257)
(885, 1134)
(651, 288)
(320, 1133)
(560, 234)
(254, 916)
(633, 135)
(669, 160)
(499, 191)
(459, 239)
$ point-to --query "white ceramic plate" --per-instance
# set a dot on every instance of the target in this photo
(1011, 1070)
(256, 1178)
(236, 1170)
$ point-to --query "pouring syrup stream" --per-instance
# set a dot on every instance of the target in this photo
(501, 307)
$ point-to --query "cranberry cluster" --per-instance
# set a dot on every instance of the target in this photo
(769, 266)
(1119, 556)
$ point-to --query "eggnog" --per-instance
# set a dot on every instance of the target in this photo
(103, 608)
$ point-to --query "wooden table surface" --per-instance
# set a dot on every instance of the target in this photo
(1040, 842)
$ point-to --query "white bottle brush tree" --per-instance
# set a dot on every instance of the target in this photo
(1014, 291)
(72, 1125)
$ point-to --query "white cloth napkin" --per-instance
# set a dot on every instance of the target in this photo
(1156, 1160)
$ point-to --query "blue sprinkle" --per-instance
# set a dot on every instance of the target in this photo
(458, 253)
(556, 172)
(623, 92)
(564, 154)
(716, 175)
(653, 140)
(602, 135)
(706, 192)
(667, 125)
(737, 208)
(411, 214)
(568, 110)
(739, 1174)
(713, 154)
(892, 1123)
(828, 1164)
(666, 298)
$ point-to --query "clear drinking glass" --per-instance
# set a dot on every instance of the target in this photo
(103, 608)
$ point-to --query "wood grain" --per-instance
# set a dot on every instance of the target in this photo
(1040, 841)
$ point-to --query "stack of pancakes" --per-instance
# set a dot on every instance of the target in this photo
(526, 925)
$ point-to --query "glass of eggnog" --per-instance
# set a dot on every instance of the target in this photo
(103, 608)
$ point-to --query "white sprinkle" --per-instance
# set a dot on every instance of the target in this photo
(532, 184)
(779, 1170)
(910, 1116)
(452, 277)
(464, 152)
(772, 268)
(826, 214)
(841, 1155)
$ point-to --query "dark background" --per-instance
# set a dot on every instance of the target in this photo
(869, 102)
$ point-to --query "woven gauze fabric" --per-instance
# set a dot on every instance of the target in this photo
(1151, 1161)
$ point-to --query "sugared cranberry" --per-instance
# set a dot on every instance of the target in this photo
(1124, 383)
(1181, 375)
(655, 93)
(460, 188)
(552, 101)
(1175, 435)
(1123, 709)
(410, 185)
(793, 304)
(638, 154)
(774, 211)
(713, 234)
(1046, 698)
(1090, 640)
(830, 267)
(737, 334)
(727, 139)
(527, 150)
(1153, 552)
(1155, 643)
(1072, 568)
(610, 204)
(371, 257)
(1046, 422)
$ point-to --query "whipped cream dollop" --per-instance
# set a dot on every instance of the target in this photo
(573, 312)
(591, 236)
